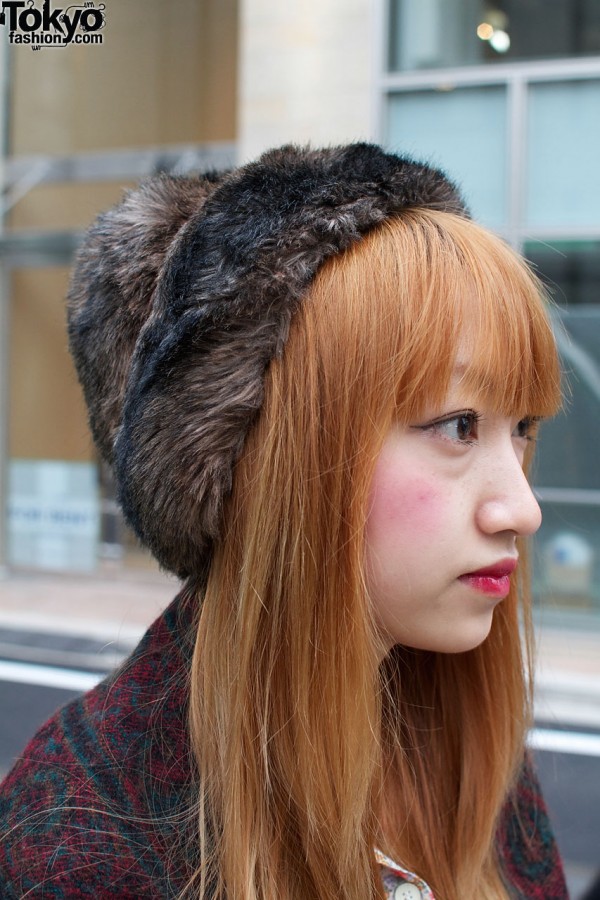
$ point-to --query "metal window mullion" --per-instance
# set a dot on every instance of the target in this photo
(517, 156)
(570, 496)
(556, 233)
(23, 172)
(458, 76)
(380, 62)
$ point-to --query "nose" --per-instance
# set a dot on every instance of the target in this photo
(509, 503)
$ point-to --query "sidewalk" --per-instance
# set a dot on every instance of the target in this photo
(118, 605)
(568, 677)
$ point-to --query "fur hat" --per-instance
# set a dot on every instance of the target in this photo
(182, 295)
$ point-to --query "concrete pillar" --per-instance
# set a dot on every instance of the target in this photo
(306, 72)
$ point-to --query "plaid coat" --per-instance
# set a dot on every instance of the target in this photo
(98, 804)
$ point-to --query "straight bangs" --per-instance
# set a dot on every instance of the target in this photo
(439, 288)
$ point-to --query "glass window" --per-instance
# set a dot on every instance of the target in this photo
(567, 563)
(52, 491)
(464, 132)
(61, 511)
(563, 186)
(567, 478)
(78, 120)
(151, 82)
(569, 448)
(570, 269)
(428, 34)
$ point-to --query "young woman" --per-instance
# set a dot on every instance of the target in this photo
(319, 384)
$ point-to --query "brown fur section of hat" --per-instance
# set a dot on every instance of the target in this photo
(204, 305)
(112, 287)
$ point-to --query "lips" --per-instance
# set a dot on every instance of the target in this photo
(492, 580)
(498, 570)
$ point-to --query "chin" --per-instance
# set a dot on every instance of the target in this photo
(454, 640)
(465, 640)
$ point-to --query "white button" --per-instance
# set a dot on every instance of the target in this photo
(407, 892)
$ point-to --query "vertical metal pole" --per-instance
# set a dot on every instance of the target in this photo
(381, 38)
(517, 158)
(4, 318)
(4, 414)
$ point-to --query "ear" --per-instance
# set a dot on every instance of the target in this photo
(113, 285)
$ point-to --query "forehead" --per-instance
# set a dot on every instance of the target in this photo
(510, 369)
(499, 353)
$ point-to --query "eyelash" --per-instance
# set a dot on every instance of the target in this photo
(530, 425)
(439, 426)
(526, 429)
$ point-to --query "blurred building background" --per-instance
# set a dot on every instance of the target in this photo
(503, 94)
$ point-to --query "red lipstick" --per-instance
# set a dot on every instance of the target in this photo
(492, 580)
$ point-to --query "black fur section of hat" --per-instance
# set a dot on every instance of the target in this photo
(207, 317)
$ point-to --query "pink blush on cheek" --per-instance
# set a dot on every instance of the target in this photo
(415, 503)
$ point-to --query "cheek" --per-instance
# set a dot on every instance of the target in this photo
(413, 506)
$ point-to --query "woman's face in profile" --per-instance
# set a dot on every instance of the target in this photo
(448, 499)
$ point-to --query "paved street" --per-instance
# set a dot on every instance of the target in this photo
(23, 707)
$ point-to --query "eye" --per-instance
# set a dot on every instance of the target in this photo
(527, 428)
(461, 428)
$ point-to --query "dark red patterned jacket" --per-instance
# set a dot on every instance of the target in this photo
(98, 805)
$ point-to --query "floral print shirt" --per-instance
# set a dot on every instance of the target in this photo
(399, 883)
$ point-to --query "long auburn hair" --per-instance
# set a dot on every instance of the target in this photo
(310, 751)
